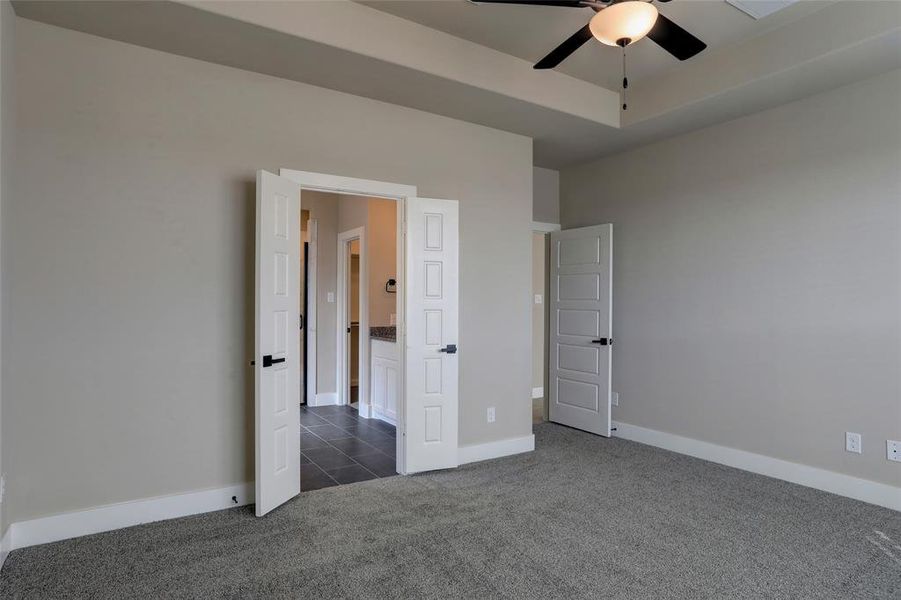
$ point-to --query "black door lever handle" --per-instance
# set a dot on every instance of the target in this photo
(268, 361)
(603, 341)
(450, 349)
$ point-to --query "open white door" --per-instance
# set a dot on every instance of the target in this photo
(432, 307)
(581, 288)
(277, 347)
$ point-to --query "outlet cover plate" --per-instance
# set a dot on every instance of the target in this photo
(893, 450)
(614, 398)
(491, 414)
(852, 442)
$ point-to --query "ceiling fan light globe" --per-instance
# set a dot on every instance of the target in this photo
(631, 20)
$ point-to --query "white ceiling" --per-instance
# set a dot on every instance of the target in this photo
(530, 32)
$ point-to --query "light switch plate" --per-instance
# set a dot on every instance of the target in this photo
(330, 297)
(538, 299)
(614, 398)
(491, 414)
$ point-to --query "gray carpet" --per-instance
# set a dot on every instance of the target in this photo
(581, 517)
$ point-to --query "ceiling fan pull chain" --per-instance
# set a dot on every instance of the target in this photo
(625, 79)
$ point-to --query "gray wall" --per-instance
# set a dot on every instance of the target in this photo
(7, 122)
(757, 278)
(129, 250)
(546, 195)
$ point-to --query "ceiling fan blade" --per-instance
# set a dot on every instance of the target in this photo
(562, 52)
(674, 39)
(563, 3)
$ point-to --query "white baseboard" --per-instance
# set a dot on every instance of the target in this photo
(126, 514)
(537, 392)
(376, 414)
(477, 452)
(821, 479)
(5, 545)
(328, 399)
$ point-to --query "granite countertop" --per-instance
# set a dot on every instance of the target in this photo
(384, 333)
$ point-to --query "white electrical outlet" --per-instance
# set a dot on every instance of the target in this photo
(538, 299)
(330, 297)
(852, 442)
(491, 414)
(614, 398)
(893, 450)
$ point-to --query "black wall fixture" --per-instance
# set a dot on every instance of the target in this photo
(391, 286)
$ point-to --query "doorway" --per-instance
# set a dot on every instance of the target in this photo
(540, 257)
(541, 254)
(348, 433)
(425, 378)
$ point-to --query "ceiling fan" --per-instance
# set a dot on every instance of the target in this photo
(617, 23)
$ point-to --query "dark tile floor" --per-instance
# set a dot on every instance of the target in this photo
(337, 446)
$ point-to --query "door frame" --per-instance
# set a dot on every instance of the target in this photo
(336, 184)
(309, 319)
(342, 362)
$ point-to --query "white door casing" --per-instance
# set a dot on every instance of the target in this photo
(432, 307)
(380, 189)
(310, 317)
(277, 342)
(580, 361)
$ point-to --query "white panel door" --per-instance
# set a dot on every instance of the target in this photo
(580, 361)
(277, 346)
(432, 306)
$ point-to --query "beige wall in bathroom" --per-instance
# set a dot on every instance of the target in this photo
(381, 236)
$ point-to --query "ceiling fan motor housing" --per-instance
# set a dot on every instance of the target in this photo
(617, 23)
